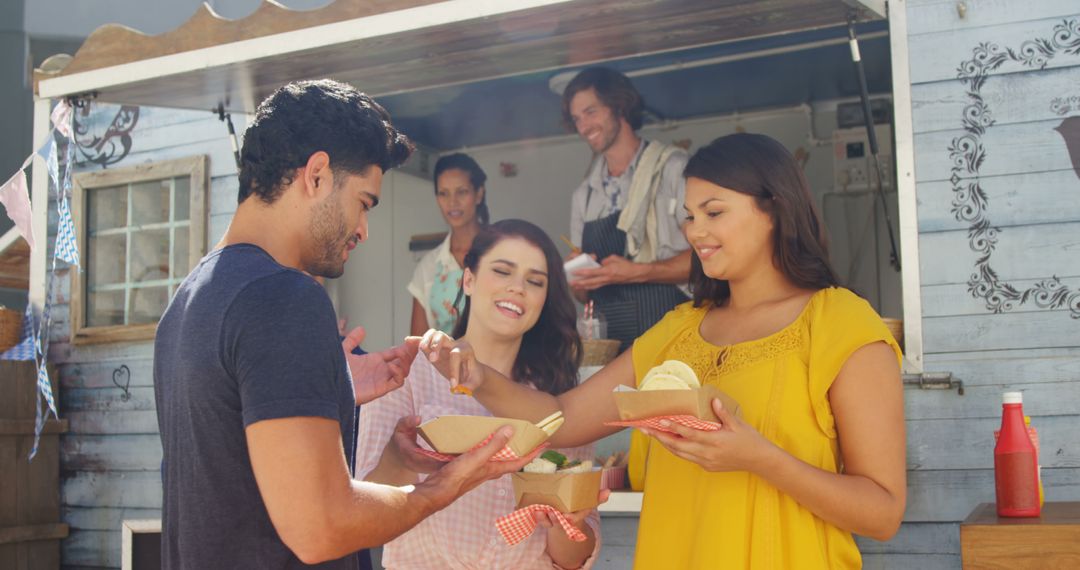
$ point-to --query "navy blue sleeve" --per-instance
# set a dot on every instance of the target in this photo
(281, 342)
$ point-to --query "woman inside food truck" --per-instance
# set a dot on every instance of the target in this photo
(519, 315)
(461, 195)
(817, 453)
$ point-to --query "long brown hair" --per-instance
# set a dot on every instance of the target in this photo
(759, 166)
(550, 352)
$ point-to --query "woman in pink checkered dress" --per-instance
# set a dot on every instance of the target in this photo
(519, 315)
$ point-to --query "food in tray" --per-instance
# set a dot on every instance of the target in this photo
(670, 375)
(554, 462)
(552, 423)
(461, 390)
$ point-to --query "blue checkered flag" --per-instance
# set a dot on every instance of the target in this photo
(25, 349)
(48, 152)
(66, 247)
(44, 386)
(46, 394)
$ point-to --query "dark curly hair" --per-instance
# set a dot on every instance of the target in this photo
(759, 166)
(551, 350)
(613, 89)
(304, 117)
(477, 177)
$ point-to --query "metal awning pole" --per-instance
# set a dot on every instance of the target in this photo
(868, 118)
(227, 119)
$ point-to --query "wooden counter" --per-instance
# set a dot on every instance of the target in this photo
(1049, 541)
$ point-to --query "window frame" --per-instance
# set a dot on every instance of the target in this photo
(196, 168)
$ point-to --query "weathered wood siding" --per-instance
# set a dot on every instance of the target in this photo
(110, 459)
(1032, 197)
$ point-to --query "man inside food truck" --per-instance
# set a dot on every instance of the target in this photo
(627, 212)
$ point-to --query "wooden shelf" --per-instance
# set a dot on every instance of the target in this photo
(1048, 541)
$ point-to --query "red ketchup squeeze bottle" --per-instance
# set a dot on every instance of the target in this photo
(1016, 476)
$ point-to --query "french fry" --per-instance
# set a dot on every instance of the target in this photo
(461, 390)
(553, 426)
(540, 424)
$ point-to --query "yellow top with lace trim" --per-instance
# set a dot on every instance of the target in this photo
(693, 519)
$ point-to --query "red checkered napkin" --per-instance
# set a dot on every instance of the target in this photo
(518, 525)
(654, 423)
(504, 454)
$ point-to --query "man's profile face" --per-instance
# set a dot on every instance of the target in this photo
(339, 221)
(594, 121)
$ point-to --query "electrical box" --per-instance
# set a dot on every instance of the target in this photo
(853, 167)
(854, 215)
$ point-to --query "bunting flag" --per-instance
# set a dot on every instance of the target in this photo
(26, 349)
(47, 152)
(16, 200)
(34, 344)
(61, 118)
(44, 385)
(66, 247)
(39, 426)
(51, 163)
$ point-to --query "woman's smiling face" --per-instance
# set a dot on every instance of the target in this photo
(457, 198)
(730, 234)
(508, 290)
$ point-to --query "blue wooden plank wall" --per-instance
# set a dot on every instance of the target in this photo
(1029, 184)
(110, 458)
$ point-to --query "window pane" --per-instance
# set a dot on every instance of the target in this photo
(149, 255)
(106, 208)
(150, 202)
(181, 247)
(104, 308)
(147, 304)
(106, 260)
(183, 198)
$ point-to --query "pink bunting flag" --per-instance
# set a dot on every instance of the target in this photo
(61, 118)
(16, 199)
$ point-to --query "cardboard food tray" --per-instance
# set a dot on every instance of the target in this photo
(458, 434)
(567, 492)
(697, 402)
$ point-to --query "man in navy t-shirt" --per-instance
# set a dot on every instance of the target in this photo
(255, 397)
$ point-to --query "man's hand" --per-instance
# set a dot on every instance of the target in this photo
(403, 442)
(376, 373)
(469, 470)
(614, 269)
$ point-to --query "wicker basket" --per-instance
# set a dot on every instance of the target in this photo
(598, 352)
(10, 328)
(896, 327)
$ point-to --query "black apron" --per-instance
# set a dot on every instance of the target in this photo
(630, 309)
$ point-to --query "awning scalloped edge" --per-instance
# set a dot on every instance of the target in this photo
(114, 44)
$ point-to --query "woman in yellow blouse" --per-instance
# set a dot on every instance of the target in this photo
(818, 453)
